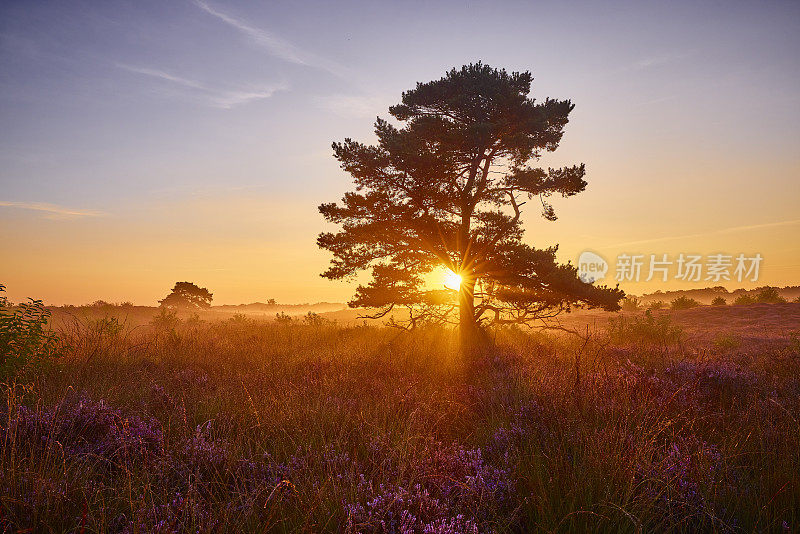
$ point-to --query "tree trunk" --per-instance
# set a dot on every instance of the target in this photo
(467, 328)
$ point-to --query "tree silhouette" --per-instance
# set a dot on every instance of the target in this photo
(446, 189)
(187, 295)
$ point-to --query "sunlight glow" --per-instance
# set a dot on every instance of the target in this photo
(452, 280)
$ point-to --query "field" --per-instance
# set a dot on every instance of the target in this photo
(679, 421)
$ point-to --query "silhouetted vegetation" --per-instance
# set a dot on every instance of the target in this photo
(187, 295)
(769, 295)
(719, 301)
(683, 303)
(432, 194)
(631, 303)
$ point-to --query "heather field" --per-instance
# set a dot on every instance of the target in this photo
(679, 421)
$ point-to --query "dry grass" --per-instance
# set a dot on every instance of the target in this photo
(252, 426)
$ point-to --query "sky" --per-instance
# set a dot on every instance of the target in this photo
(149, 142)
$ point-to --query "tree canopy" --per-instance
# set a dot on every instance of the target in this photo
(187, 295)
(446, 188)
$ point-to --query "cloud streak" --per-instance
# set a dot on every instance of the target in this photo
(730, 230)
(274, 44)
(220, 98)
(52, 211)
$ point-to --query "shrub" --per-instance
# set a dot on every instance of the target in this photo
(25, 339)
(684, 303)
(657, 305)
(643, 329)
(631, 303)
(769, 295)
(239, 319)
(166, 319)
(719, 301)
(315, 319)
(744, 300)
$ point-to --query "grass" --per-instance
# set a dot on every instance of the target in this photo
(249, 426)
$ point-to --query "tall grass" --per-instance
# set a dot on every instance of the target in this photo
(308, 426)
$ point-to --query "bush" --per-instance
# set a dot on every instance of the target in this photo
(657, 305)
(166, 319)
(631, 303)
(684, 303)
(315, 319)
(643, 329)
(719, 301)
(283, 318)
(744, 300)
(769, 295)
(25, 340)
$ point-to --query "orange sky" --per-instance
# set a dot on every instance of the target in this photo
(193, 144)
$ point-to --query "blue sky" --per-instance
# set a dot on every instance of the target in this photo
(155, 141)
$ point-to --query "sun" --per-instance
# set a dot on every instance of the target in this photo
(452, 280)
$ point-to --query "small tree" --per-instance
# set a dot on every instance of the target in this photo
(719, 301)
(446, 190)
(187, 295)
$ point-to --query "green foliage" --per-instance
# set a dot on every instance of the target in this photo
(631, 303)
(645, 328)
(25, 340)
(719, 301)
(657, 305)
(744, 300)
(684, 303)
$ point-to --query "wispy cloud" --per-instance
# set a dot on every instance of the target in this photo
(155, 73)
(732, 229)
(274, 44)
(52, 211)
(220, 98)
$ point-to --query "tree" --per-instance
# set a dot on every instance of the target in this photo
(445, 190)
(187, 295)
